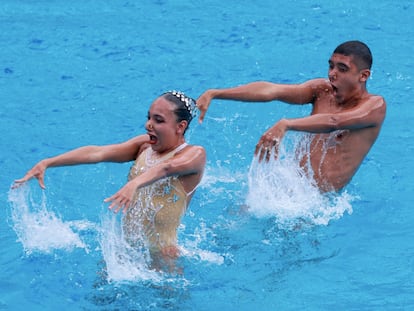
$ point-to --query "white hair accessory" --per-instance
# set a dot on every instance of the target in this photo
(189, 103)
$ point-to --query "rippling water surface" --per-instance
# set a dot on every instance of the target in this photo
(255, 237)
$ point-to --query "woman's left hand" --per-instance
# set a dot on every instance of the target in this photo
(122, 199)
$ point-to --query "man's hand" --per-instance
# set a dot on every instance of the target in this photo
(203, 102)
(271, 139)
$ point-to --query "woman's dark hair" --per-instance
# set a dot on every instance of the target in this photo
(185, 106)
(360, 51)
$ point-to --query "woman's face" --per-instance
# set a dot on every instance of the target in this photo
(162, 126)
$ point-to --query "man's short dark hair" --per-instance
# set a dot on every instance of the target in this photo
(359, 50)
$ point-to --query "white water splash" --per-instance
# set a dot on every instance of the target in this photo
(280, 188)
(192, 249)
(123, 262)
(41, 230)
(129, 264)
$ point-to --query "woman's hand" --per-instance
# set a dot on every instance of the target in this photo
(37, 171)
(123, 198)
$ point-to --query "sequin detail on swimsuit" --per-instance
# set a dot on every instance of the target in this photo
(158, 207)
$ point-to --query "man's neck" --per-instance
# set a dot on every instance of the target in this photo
(354, 99)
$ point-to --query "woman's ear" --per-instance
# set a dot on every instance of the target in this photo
(182, 125)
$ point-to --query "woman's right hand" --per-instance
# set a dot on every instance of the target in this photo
(37, 171)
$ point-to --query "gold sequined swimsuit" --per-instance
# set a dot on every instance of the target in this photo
(155, 216)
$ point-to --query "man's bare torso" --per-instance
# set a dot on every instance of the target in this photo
(336, 156)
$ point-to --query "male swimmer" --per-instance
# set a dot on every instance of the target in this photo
(345, 118)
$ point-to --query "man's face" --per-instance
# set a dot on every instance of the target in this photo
(344, 76)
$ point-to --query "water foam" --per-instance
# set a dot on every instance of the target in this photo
(123, 262)
(192, 247)
(280, 188)
(39, 229)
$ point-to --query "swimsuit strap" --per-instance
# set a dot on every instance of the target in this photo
(180, 147)
(150, 161)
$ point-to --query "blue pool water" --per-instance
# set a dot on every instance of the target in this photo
(85, 72)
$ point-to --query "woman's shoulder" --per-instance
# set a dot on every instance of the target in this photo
(196, 148)
(196, 152)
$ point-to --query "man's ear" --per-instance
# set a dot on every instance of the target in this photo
(365, 73)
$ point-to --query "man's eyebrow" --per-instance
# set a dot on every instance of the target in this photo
(340, 64)
(343, 65)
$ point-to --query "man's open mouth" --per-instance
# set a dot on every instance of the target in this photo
(334, 88)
